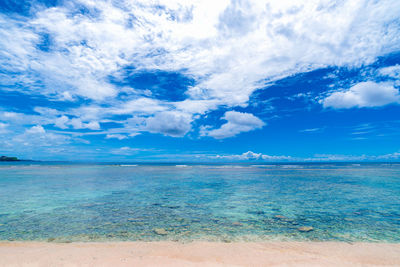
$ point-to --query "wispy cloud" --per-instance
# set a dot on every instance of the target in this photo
(312, 130)
(116, 136)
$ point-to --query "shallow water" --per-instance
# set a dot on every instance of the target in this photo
(97, 202)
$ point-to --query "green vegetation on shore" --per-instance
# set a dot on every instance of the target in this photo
(5, 158)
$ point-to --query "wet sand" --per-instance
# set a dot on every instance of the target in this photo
(199, 254)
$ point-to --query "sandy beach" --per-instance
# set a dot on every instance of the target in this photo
(199, 254)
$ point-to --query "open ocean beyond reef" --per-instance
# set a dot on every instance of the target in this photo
(65, 202)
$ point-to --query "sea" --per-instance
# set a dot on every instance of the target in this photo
(71, 202)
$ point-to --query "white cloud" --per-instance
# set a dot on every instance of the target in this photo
(268, 157)
(311, 130)
(364, 94)
(64, 122)
(249, 155)
(38, 129)
(37, 137)
(237, 122)
(16, 118)
(93, 125)
(61, 122)
(231, 55)
(335, 157)
(47, 117)
(77, 123)
(169, 123)
(392, 71)
(116, 136)
(395, 155)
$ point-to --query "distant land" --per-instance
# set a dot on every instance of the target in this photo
(5, 158)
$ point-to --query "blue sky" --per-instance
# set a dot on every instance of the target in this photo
(184, 80)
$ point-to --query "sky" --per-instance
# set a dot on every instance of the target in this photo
(200, 80)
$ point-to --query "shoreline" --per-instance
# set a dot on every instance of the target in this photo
(198, 253)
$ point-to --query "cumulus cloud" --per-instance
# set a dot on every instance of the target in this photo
(169, 123)
(78, 124)
(364, 94)
(249, 155)
(237, 122)
(64, 122)
(38, 129)
(36, 137)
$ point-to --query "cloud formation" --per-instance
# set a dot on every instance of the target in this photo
(64, 122)
(120, 68)
(250, 155)
(392, 71)
(169, 123)
(237, 122)
(364, 94)
(228, 56)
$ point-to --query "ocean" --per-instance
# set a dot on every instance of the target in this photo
(68, 202)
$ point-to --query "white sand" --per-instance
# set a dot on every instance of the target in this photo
(199, 254)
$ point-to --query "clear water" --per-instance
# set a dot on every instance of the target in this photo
(77, 202)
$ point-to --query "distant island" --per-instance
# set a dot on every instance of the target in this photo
(5, 158)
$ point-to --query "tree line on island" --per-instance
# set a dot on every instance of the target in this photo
(5, 158)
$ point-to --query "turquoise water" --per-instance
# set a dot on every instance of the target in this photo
(97, 202)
